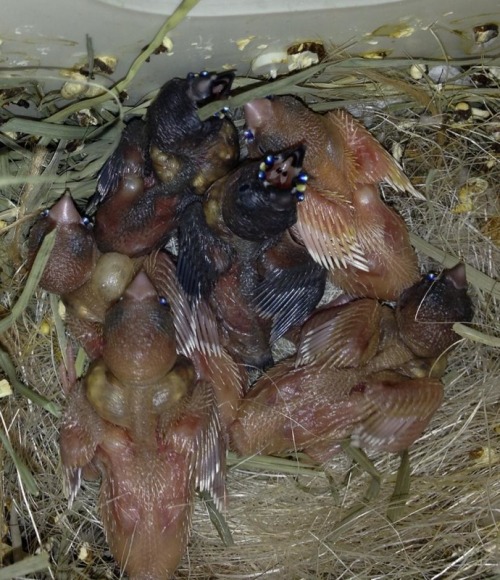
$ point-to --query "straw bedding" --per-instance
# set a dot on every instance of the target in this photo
(287, 518)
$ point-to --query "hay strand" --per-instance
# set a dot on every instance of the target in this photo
(285, 518)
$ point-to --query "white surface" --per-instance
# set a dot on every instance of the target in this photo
(224, 33)
(240, 7)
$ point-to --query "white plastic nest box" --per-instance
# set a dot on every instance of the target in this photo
(251, 37)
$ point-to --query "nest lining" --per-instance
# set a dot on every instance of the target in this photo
(288, 519)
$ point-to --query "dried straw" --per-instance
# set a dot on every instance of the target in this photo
(435, 516)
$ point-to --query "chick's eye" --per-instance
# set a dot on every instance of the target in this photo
(431, 276)
(44, 213)
(87, 222)
(163, 301)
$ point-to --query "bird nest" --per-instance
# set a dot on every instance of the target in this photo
(432, 513)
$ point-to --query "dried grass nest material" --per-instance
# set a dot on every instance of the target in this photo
(287, 519)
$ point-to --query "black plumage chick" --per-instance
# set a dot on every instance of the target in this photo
(161, 163)
(235, 248)
(257, 205)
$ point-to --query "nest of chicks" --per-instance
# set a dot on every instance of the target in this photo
(430, 512)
